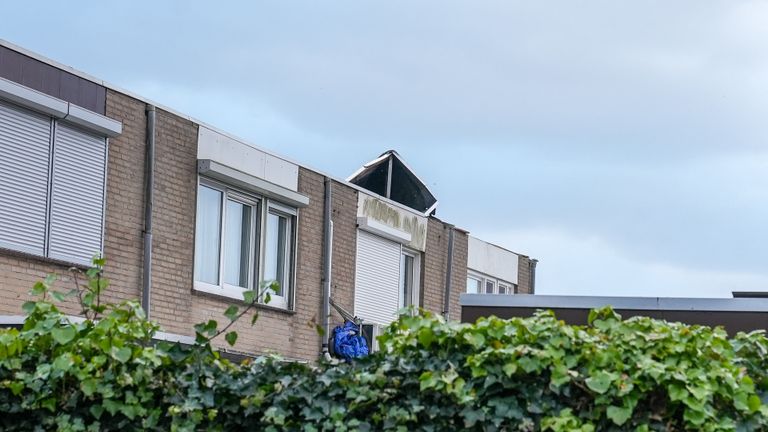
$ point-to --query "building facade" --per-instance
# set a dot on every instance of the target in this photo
(189, 217)
(491, 269)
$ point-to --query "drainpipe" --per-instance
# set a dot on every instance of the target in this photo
(149, 182)
(532, 265)
(448, 275)
(327, 251)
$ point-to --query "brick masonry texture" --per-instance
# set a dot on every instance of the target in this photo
(175, 305)
(523, 274)
(435, 266)
(344, 254)
(123, 221)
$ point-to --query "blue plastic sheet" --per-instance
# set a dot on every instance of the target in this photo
(348, 342)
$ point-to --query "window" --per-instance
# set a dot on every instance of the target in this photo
(232, 228)
(490, 286)
(478, 283)
(278, 256)
(474, 285)
(409, 278)
(52, 190)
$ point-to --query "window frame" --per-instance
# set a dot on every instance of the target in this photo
(478, 283)
(415, 277)
(286, 300)
(261, 207)
(511, 288)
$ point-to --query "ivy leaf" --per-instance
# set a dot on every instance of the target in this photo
(28, 307)
(509, 369)
(63, 335)
(89, 386)
(58, 296)
(249, 296)
(600, 382)
(38, 289)
(96, 411)
(121, 354)
(477, 340)
(231, 338)
(677, 392)
(619, 415)
(231, 312)
(754, 403)
(426, 336)
(254, 318)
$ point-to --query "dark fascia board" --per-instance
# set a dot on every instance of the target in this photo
(217, 171)
(54, 107)
(627, 303)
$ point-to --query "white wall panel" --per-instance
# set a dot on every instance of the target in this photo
(492, 260)
(245, 158)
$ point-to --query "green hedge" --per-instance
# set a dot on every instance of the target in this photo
(105, 373)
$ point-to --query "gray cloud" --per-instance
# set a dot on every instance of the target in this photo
(638, 126)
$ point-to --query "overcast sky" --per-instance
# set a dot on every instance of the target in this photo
(623, 144)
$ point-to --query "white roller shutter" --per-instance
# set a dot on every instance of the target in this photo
(77, 195)
(377, 278)
(24, 155)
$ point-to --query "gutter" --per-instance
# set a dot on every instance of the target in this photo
(149, 196)
(327, 252)
(448, 275)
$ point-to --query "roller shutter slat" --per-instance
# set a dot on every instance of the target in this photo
(24, 155)
(377, 278)
(78, 195)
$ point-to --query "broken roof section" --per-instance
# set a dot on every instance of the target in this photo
(389, 176)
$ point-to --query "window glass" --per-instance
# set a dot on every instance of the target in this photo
(406, 295)
(489, 286)
(237, 243)
(473, 285)
(207, 235)
(277, 251)
(502, 289)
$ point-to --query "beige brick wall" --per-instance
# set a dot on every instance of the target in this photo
(344, 249)
(523, 275)
(124, 224)
(173, 223)
(175, 305)
(435, 267)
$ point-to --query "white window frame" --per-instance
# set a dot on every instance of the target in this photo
(492, 282)
(261, 207)
(228, 193)
(478, 282)
(291, 214)
(511, 288)
(416, 277)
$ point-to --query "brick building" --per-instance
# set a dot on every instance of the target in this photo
(190, 217)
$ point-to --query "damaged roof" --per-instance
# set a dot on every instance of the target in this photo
(389, 176)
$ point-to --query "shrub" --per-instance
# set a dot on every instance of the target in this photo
(106, 373)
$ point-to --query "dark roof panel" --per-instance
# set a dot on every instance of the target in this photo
(404, 186)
